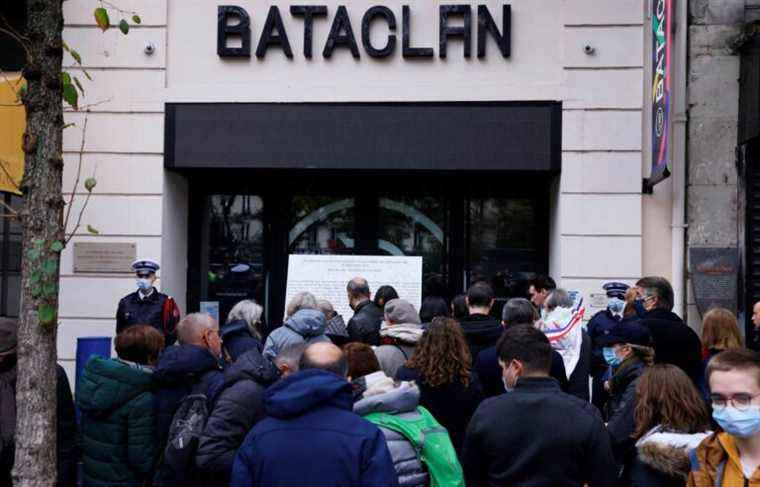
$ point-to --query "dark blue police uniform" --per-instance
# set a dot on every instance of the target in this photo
(151, 310)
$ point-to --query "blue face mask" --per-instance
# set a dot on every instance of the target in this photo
(144, 284)
(638, 305)
(610, 357)
(615, 305)
(742, 424)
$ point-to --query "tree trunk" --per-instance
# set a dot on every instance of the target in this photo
(41, 218)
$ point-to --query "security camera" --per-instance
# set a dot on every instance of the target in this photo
(150, 48)
(589, 49)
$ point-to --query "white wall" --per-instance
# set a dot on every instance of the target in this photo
(602, 97)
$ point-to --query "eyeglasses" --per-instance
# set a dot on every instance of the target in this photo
(740, 401)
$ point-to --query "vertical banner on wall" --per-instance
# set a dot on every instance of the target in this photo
(662, 40)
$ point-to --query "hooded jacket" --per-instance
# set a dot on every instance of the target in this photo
(311, 435)
(716, 462)
(239, 405)
(661, 459)
(180, 371)
(398, 343)
(481, 332)
(382, 395)
(238, 339)
(118, 423)
(305, 326)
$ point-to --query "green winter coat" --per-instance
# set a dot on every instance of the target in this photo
(118, 423)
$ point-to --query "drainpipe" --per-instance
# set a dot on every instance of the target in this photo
(678, 154)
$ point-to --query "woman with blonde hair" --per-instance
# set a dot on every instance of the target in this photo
(671, 419)
(441, 366)
(720, 331)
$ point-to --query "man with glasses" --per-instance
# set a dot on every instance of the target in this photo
(673, 341)
(147, 306)
(731, 457)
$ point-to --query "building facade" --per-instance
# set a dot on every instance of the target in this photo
(515, 146)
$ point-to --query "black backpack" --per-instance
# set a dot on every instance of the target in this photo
(185, 432)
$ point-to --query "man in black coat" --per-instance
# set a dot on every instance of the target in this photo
(147, 306)
(536, 435)
(193, 367)
(674, 341)
(364, 326)
(481, 330)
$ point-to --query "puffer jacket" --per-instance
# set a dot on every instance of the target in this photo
(382, 395)
(237, 338)
(398, 343)
(118, 423)
(239, 405)
(716, 462)
(661, 459)
(621, 405)
(305, 326)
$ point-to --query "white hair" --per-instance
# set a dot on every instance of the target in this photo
(304, 300)
(191, 328)
(249, 311)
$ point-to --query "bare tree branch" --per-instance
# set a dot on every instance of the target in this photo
(16, 184)
(10, 84)
(114, 7)
(76, 181)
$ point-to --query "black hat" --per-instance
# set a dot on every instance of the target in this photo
(145, 265)
(632, 333)
(616, 289)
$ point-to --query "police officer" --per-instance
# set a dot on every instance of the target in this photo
(147, 306)
(599, 326)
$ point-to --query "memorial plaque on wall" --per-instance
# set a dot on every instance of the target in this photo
(104, 257)
(715, 273)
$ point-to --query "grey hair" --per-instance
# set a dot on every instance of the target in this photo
(519, 311)
(558, 298)
(326, 308)
(249, 311)
(290, 355)
(304, 300)
(192, 326)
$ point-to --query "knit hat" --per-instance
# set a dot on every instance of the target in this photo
(400, 311)
(8, 335)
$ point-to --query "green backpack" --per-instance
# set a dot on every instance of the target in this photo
(432, 442)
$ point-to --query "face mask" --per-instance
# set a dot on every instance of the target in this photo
(144, 284)
(638, 305)
(615, 305)
(742, 424)
(610, 357)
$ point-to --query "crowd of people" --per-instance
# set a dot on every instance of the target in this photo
(448, 395)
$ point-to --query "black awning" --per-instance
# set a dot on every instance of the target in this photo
(422, 136)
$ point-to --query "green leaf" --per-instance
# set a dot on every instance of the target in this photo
(76, 56)
(50, 289)
(93, 230)
(71, 96)
(33, 254)
(124, 27)
(49, 267)
(37, 292)
(65, 78)
(56, 246)
(35, 278)
(101, 18)
(90, 183)
(39, 242)
(136, 19)
(46, 314)
(79, 85)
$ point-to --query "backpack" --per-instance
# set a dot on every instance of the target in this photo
(432, 442)
(184, 435)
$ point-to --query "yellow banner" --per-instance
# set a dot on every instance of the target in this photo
(12, 125)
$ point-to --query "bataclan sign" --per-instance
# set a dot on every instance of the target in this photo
(455, 22)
